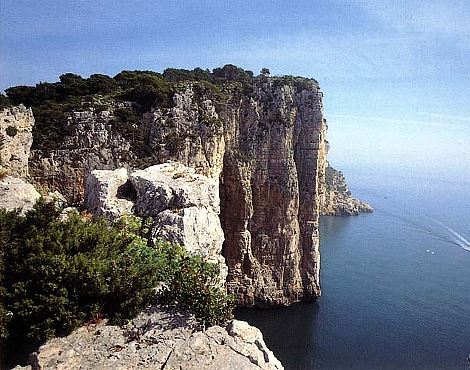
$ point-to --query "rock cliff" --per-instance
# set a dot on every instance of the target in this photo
(264, 143)
(262, 139)
(90, 143)
(271, 180)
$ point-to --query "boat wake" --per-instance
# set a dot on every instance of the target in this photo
(456, 237)
(444, 233)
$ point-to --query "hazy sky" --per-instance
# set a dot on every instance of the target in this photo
(379, 62)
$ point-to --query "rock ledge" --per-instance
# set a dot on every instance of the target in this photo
(158, 338)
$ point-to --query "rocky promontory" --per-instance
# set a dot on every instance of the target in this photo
(262, 140)
(158, 338)
(337, 199)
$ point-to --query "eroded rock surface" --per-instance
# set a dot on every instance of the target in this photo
(16, 138)
(269, 191)
(337, 199)
(184, 205)
(91, 143)
(158, 338)
(106, 192)
(16, 193)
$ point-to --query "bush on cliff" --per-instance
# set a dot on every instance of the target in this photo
(57, 275)
(53, 102)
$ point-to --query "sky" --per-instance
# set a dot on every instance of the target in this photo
(397, 70)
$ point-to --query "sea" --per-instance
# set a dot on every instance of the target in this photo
(395, 283)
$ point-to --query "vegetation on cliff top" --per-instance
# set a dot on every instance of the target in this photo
(57, 275)
(53, 102)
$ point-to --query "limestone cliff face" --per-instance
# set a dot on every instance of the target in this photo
(91, 143)
(264, 145)
(16, 125)
(272, 169)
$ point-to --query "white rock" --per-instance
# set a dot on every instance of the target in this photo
(66, 212)
(101, 195)
(57, 198)
(16, 138)
(173, 185)
(185, 207)
(16, 193)
(158, 339)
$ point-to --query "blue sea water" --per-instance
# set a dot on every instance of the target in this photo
(396, 283)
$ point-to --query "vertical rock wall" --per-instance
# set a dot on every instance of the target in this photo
(266, 143)
(92, 143)
(273, 166)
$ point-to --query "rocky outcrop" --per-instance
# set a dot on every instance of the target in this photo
(184, 205)
(337, 200)
(160, 339)
(16, 138)
(191, 132)
(15, 193)
(263, 141)
(107, 193)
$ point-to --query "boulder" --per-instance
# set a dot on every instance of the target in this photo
(16, 193)
(184, 205)
(185, 208)
(106, 192)
(173, 186)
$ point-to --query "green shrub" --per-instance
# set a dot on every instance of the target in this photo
(101, 84)
(57, 275)
(229, 72)
(145, 88)
(193, 286)
(53, 102)
(178, 75)
(4, 101)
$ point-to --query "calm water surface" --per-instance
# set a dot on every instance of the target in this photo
(396, 283)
